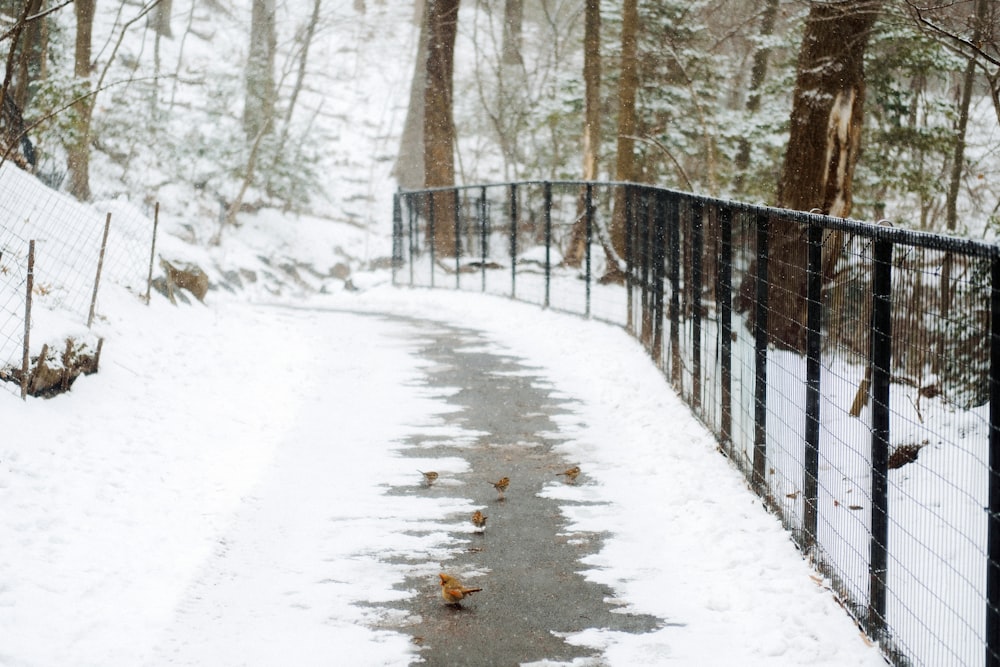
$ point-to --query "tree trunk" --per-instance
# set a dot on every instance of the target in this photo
(409, 168)
(825, 135)
(15, 142)
(958, 157)
(300, 76)
(258, 110)
(513, 19)
(591, 123)
(757, 75)
(439, 126)
(31, 64)
(161, 19)
(78, 152)
(827, 108)
(628, 85)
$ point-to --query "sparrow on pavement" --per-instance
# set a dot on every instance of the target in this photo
(479, 519)
(430, 477)
(501, 486)
(452, 589)
(571, 473)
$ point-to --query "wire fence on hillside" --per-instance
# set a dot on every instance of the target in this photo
(850, 370)
(72, 243)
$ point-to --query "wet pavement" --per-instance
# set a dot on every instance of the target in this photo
(528, 562)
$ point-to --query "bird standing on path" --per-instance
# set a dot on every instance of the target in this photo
(501, 486)
(479, 520)
(453, 591)
(430, 477)
(571, 473)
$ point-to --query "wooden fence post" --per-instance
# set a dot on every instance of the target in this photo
(100, 266)
(26, 359)
(152, 252)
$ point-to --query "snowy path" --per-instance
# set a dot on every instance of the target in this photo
(264, 596)
(527, 559)
(223, 500)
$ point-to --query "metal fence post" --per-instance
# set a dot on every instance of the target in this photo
(483, 225)
(630, 271)
(725, 292)
(674, 274)
(411, 223)
(697, 243)
(993, 515)
(458, 242)
(547, 214)
(513, 240)
(760, 358)
(640, 219)
(397, 236)
(814, 326)
(880, 359)
(431, 223)
(659, 256)
(589, 213)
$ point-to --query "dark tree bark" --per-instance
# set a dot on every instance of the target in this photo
(439, 127)
(822, 151)
(32, 63)
(628, 85)
(827, 108)
(592, 88)
(591, 122)
(16, 144)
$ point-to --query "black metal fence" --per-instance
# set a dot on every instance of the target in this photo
(850, 370)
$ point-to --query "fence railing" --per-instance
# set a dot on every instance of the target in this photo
(850, 370)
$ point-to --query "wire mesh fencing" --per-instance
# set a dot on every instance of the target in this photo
(71, 249)
(850, 370)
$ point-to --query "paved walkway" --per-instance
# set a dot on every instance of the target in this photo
(532, 593)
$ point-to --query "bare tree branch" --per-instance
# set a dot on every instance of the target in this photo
(951, 39)
(34, 17)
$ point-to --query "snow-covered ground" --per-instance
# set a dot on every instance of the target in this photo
(216, 494)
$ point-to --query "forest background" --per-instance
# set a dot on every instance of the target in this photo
(868, 108)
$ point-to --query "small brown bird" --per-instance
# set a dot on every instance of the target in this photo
(479, 519)
(453, 591)
(501, 486)
(429, 477)
(571, 473)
